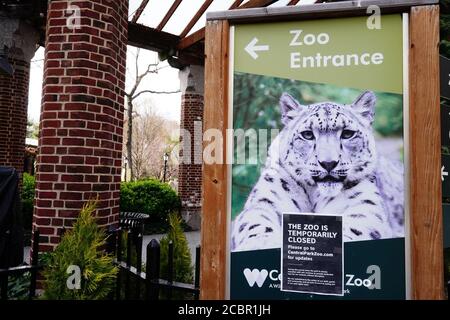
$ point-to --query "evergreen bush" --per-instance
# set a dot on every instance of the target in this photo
(182, 263)
(82, 246)
(19, 286)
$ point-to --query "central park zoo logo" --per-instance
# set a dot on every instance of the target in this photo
(259, 277)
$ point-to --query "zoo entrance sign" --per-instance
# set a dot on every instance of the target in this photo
(328, 83)
(327, 214)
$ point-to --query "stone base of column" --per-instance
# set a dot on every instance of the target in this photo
(192, 217)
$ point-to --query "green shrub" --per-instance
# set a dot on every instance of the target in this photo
(28, 190)
(81, 246)
(19, 286)
(29, 185)
(444, 27)
(149, 196)
(182, 263)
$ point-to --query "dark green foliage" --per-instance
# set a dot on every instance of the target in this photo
(29, 185)
(445, 28)
(19, 287)
(257, 102)
(81, 246)
(183, 271)
(445, 150)
(44, 258)
(149, 196)
(28, 190)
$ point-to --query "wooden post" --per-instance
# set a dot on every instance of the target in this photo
(214, 213)
(425, 155)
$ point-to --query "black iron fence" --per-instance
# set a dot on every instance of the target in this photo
(136, 281)
(33, 269)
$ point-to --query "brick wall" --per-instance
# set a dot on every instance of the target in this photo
(190, 172)
(190, 168)
(13, 114)
(81, 125)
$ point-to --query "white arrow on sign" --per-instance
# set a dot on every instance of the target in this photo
(252, 48)
(443, 173)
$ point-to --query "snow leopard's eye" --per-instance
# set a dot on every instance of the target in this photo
(347, 134)
(307, 135)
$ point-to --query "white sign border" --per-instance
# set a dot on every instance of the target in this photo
(406, 153)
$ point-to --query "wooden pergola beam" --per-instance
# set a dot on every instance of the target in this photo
(235, 4)
(140, 10)
(188, 41)
(196, 17)
(169, 14)
(144, 37)
(199, 35)
(293, 2)
(257, 4)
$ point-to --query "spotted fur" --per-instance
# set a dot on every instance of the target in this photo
(324, 161)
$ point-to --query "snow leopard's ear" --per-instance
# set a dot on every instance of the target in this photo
(289, 107)
(365, 105)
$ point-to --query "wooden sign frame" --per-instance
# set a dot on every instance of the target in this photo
(426, 236)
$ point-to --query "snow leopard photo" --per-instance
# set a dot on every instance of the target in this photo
(342, 156)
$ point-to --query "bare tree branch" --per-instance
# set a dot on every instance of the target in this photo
(138, 52)
(154, 92)
(135, 163)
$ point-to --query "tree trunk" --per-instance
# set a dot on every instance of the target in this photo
(130, 139)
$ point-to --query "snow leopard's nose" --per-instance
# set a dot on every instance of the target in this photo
(328, 165)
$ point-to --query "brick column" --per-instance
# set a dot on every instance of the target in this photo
(190, 169)
(80, 143)
(17, 44)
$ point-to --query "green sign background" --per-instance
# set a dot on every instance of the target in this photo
(347, 36)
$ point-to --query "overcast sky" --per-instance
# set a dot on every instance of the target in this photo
(167, 106)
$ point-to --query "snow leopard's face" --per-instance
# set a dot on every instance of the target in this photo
(328, 145)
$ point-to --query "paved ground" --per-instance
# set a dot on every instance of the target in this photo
(193, 239)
